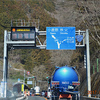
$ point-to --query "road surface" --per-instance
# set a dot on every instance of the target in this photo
(35, 98)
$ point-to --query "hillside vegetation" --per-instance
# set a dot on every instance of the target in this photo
(83, 14)
(32, 9)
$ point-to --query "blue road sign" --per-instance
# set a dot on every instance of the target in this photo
(18, 79)
(60, 38)
(79, 38)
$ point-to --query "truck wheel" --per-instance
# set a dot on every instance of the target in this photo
(74, 97)
(52, 98)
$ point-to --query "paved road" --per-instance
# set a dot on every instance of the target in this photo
(60, 99)
(35, 98)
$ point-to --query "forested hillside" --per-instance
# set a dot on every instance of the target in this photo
(32, 9)
(83, 14)
(29, 60)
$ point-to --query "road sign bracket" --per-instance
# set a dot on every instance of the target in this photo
(39, 45)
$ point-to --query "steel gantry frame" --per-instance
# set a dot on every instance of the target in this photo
(10, 45)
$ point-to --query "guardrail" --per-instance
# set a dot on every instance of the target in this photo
(21, 97)
(89, 98)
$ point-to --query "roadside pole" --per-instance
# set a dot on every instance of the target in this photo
(5, 65)
(35, 81)
(24, 81)
(88, 64)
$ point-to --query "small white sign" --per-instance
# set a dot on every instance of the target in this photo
(29, 82)
(70, 87)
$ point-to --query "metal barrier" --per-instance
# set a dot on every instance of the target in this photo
(89, 98)
(21, 97)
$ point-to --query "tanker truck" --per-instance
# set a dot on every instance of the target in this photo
(65, 83)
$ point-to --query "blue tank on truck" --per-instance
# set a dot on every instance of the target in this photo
(65, 80)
